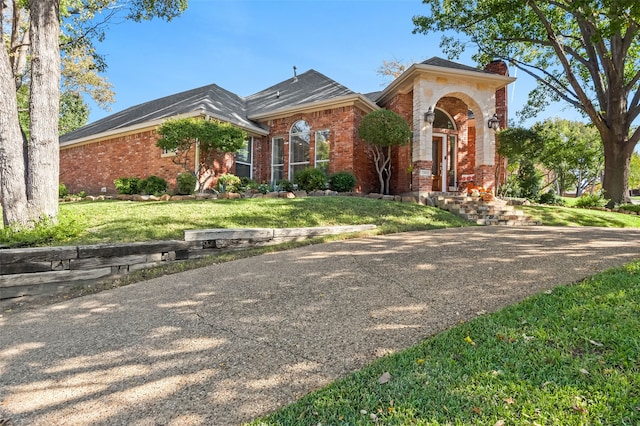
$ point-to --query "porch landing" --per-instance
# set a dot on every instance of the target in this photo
(494, 212)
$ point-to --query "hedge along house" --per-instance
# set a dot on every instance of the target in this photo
(310, 120)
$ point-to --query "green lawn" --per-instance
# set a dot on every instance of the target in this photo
(126, 221)
(568, 216)
(566, 357)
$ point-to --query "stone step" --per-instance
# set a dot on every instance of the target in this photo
(489, 213)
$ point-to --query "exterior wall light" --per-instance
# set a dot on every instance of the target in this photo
(494, 123)
(429, 116)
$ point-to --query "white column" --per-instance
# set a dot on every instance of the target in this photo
(422, 133)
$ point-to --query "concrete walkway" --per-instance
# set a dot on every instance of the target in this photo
(226, 343)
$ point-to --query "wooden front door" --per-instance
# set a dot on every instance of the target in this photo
(438, 169)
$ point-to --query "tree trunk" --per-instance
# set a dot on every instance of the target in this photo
(617, 155)
(13, 193)
(19, 44)
(44, 158)
(388, 170)
(378, 159)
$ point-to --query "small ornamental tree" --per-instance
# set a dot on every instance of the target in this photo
(209, 138)
(383, 129)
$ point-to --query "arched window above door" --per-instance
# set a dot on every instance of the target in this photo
(442, 120)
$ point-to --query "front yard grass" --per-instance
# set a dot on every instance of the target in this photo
(91, 222)
(125, 221)
(568, 216)
(570, 356)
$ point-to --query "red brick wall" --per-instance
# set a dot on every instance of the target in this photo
(347, 152)
(485, 177)
(96, 165)
(401, 156)
(262, 159)
(468, 165)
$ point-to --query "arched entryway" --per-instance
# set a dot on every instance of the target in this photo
(444, 150)
(441, 156)
(446, 157)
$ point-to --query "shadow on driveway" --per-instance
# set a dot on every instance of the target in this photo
(226, 343)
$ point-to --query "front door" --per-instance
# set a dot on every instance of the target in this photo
(444, 163)
(439, 167)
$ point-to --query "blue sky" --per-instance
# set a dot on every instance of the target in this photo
(245, 46)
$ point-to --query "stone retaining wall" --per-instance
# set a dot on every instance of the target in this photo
(49, 270)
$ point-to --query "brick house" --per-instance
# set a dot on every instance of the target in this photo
(310, 120)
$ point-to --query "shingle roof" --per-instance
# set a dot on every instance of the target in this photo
(373, 96)
(211, 99)
(308, 87)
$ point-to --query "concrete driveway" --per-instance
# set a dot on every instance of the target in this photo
(227, 343)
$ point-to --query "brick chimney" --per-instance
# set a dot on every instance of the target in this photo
(500, 67)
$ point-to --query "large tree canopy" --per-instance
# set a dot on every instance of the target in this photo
(584, 52)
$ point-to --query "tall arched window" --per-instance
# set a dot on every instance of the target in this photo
(299, 147)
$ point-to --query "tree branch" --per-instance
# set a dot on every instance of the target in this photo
(563, 91)
(587, 105)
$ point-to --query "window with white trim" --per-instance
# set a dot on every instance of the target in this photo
(244, 159)
(299, 147)
(322, 150)
(277, 160)
(169, 152)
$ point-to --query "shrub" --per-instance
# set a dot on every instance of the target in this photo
(127, 185)
(229, 183)
(590, 200)
(186, 183)
(252, 185)
(529, 180)
(247, 183)
(631, 207)
(342, 182)
(311, 179)
(153, 185)
(62, 190)
(263, 188)
(286, 185)
(550, 197)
